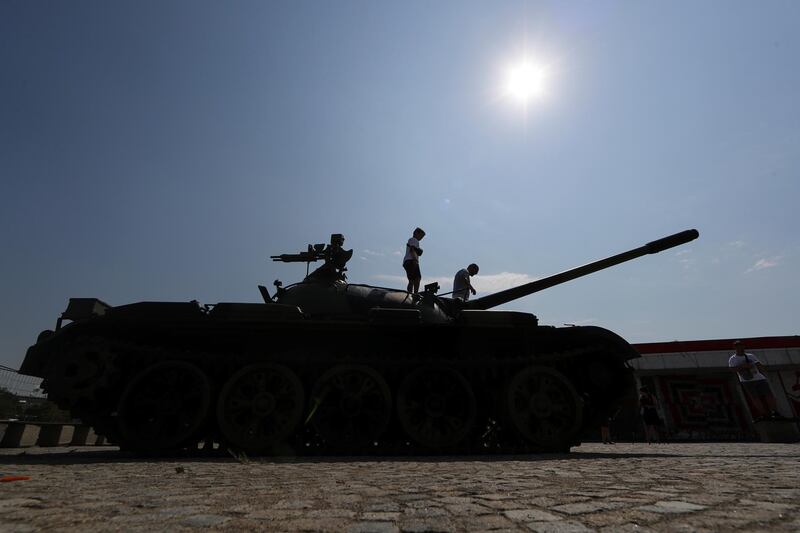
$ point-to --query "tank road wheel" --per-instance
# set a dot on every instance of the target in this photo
(436, 407)
(350, 406)
(259, 407)
(544, 407)
(164, 406)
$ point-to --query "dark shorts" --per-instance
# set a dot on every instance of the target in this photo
(412, 269)
(759, 387)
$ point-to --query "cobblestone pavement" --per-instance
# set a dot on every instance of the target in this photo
(624, 487)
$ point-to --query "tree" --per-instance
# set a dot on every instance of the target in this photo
(8, 404)
(45, 411)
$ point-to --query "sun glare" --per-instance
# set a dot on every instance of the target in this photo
(525, 81)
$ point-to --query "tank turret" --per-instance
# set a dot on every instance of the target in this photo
(323, 292)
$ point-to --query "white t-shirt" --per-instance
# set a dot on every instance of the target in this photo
(746, 374)
(411, 254)
(461, 285)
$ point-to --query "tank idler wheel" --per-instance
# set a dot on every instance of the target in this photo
(436, 407)
(164, 407)
(543, 406)
(259, 407)
(84, 367)
(350, 407)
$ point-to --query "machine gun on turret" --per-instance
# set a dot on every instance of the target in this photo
(334, 255)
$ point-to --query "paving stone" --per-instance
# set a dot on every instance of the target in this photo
(373, 527)
(766, 505)
(274, 514)
(329, 513)
(294, 504)
(586, 507)
(530, 515)
(491, 522)
(626, 528)
(673, 507)
(595, 493)
(181, 511)
(503, 505)
(345, 499)
(495, 496)
(16, 527)
(426, 526)
(425, 512)
(382, 507)
(409, 497)
(707, 499)
(126, 519)
(204, 520)
(422, 504)
(380, 516)
(455, 499)
(305, 524)
(676, 487)
(629, 499)
(558, 527)
(788, 493)
(467, 509)
(656, 493)
(11, 504)
(710, 525)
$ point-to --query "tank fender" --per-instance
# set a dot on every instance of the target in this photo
(625, 351)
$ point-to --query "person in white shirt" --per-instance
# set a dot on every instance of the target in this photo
(411, 261)
(754, 382)
(461, 283)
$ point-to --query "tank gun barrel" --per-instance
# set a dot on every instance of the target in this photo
(508, 295)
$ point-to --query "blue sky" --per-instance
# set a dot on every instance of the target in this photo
(163, 150)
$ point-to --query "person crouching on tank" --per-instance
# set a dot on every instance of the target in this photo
(461, 283)
(411, 261)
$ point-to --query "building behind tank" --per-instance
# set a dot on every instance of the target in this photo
(699, 398)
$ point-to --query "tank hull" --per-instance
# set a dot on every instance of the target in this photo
(267, 379)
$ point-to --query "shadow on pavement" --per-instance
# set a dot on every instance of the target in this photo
(67, 456)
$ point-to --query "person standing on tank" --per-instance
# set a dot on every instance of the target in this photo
(461, 283)
(411, 261)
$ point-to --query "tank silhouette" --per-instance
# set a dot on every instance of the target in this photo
(328, 367)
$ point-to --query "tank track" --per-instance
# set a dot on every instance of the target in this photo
(596, 376)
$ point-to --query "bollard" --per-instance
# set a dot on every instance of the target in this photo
(20, 435)
(79, 435)
(55, 434)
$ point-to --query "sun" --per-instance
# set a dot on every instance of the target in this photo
(525, 81)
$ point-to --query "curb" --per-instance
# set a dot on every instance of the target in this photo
(14, 434)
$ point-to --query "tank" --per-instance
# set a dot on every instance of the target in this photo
(324, 366)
